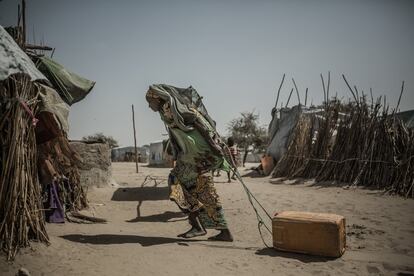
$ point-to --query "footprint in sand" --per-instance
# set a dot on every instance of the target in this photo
(373, 270)
(359, 231)
(356, 230)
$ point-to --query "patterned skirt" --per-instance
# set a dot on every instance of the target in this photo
(200, 196)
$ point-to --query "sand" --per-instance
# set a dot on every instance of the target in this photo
(380, 232)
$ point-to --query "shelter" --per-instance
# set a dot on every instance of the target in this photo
(19, 217)
(356, 142)
(35, 156)
(280, 130)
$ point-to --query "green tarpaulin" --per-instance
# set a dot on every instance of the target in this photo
(70, 86)
(407, 117)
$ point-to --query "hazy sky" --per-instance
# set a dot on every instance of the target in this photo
(233, 52)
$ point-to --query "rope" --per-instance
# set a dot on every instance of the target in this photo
(26, 107)
(259, 225)
(259, 218)
(250, 196)
(349, 159)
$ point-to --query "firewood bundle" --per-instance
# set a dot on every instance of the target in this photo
(58, 161)
(21, 214)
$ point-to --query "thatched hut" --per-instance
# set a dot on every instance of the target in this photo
(39, 171)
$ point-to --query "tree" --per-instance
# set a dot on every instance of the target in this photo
(247, 133)
(100, 137)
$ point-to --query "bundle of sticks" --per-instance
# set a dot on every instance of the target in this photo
(58, 161)
(369, 146)
(21, 214)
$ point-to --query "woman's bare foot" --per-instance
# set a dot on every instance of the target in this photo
(224, 235)
(193, 232)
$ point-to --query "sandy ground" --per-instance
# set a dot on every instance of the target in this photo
(380, 232)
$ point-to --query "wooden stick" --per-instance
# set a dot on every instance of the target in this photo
(328, 86)
(135, 139)
(24, 21)
(297, 91)
(350, 89)
(324, 89)
(290, 95)
(38, 47)
(34, 35)
(306, 96)
(19, 15)
(278, 91)
(372, 96)
(399, 99)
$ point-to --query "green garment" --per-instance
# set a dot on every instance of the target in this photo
(195, 156)
(197, 148)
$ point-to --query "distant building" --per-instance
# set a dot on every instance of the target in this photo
(158, 155)
(127, 154)
(156, 151)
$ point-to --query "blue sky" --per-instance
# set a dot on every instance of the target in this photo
(233, 52)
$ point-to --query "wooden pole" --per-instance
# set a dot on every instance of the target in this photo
(290, 95)
(135, 138)
(306, 96)
(38, 47)
(278, 91)
(24, 21)
(297, 91)
(399, 99)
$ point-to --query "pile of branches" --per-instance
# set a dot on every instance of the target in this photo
(21, 214)
(57, 160)
(368, 146)
(21, 162)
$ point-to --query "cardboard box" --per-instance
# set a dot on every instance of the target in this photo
(309, 233)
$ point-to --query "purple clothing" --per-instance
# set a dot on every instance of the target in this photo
(55, 214)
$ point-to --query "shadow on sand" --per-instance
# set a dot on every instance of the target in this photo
(253, 174)
(164, 217)
(309, 182)
(297, 256)
(106, 239)
(141, 193)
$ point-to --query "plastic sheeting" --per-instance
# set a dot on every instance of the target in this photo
(51, 102)
(13, 60)
(181, 100)
(70, 86)
(407, 117)
(280, 129)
